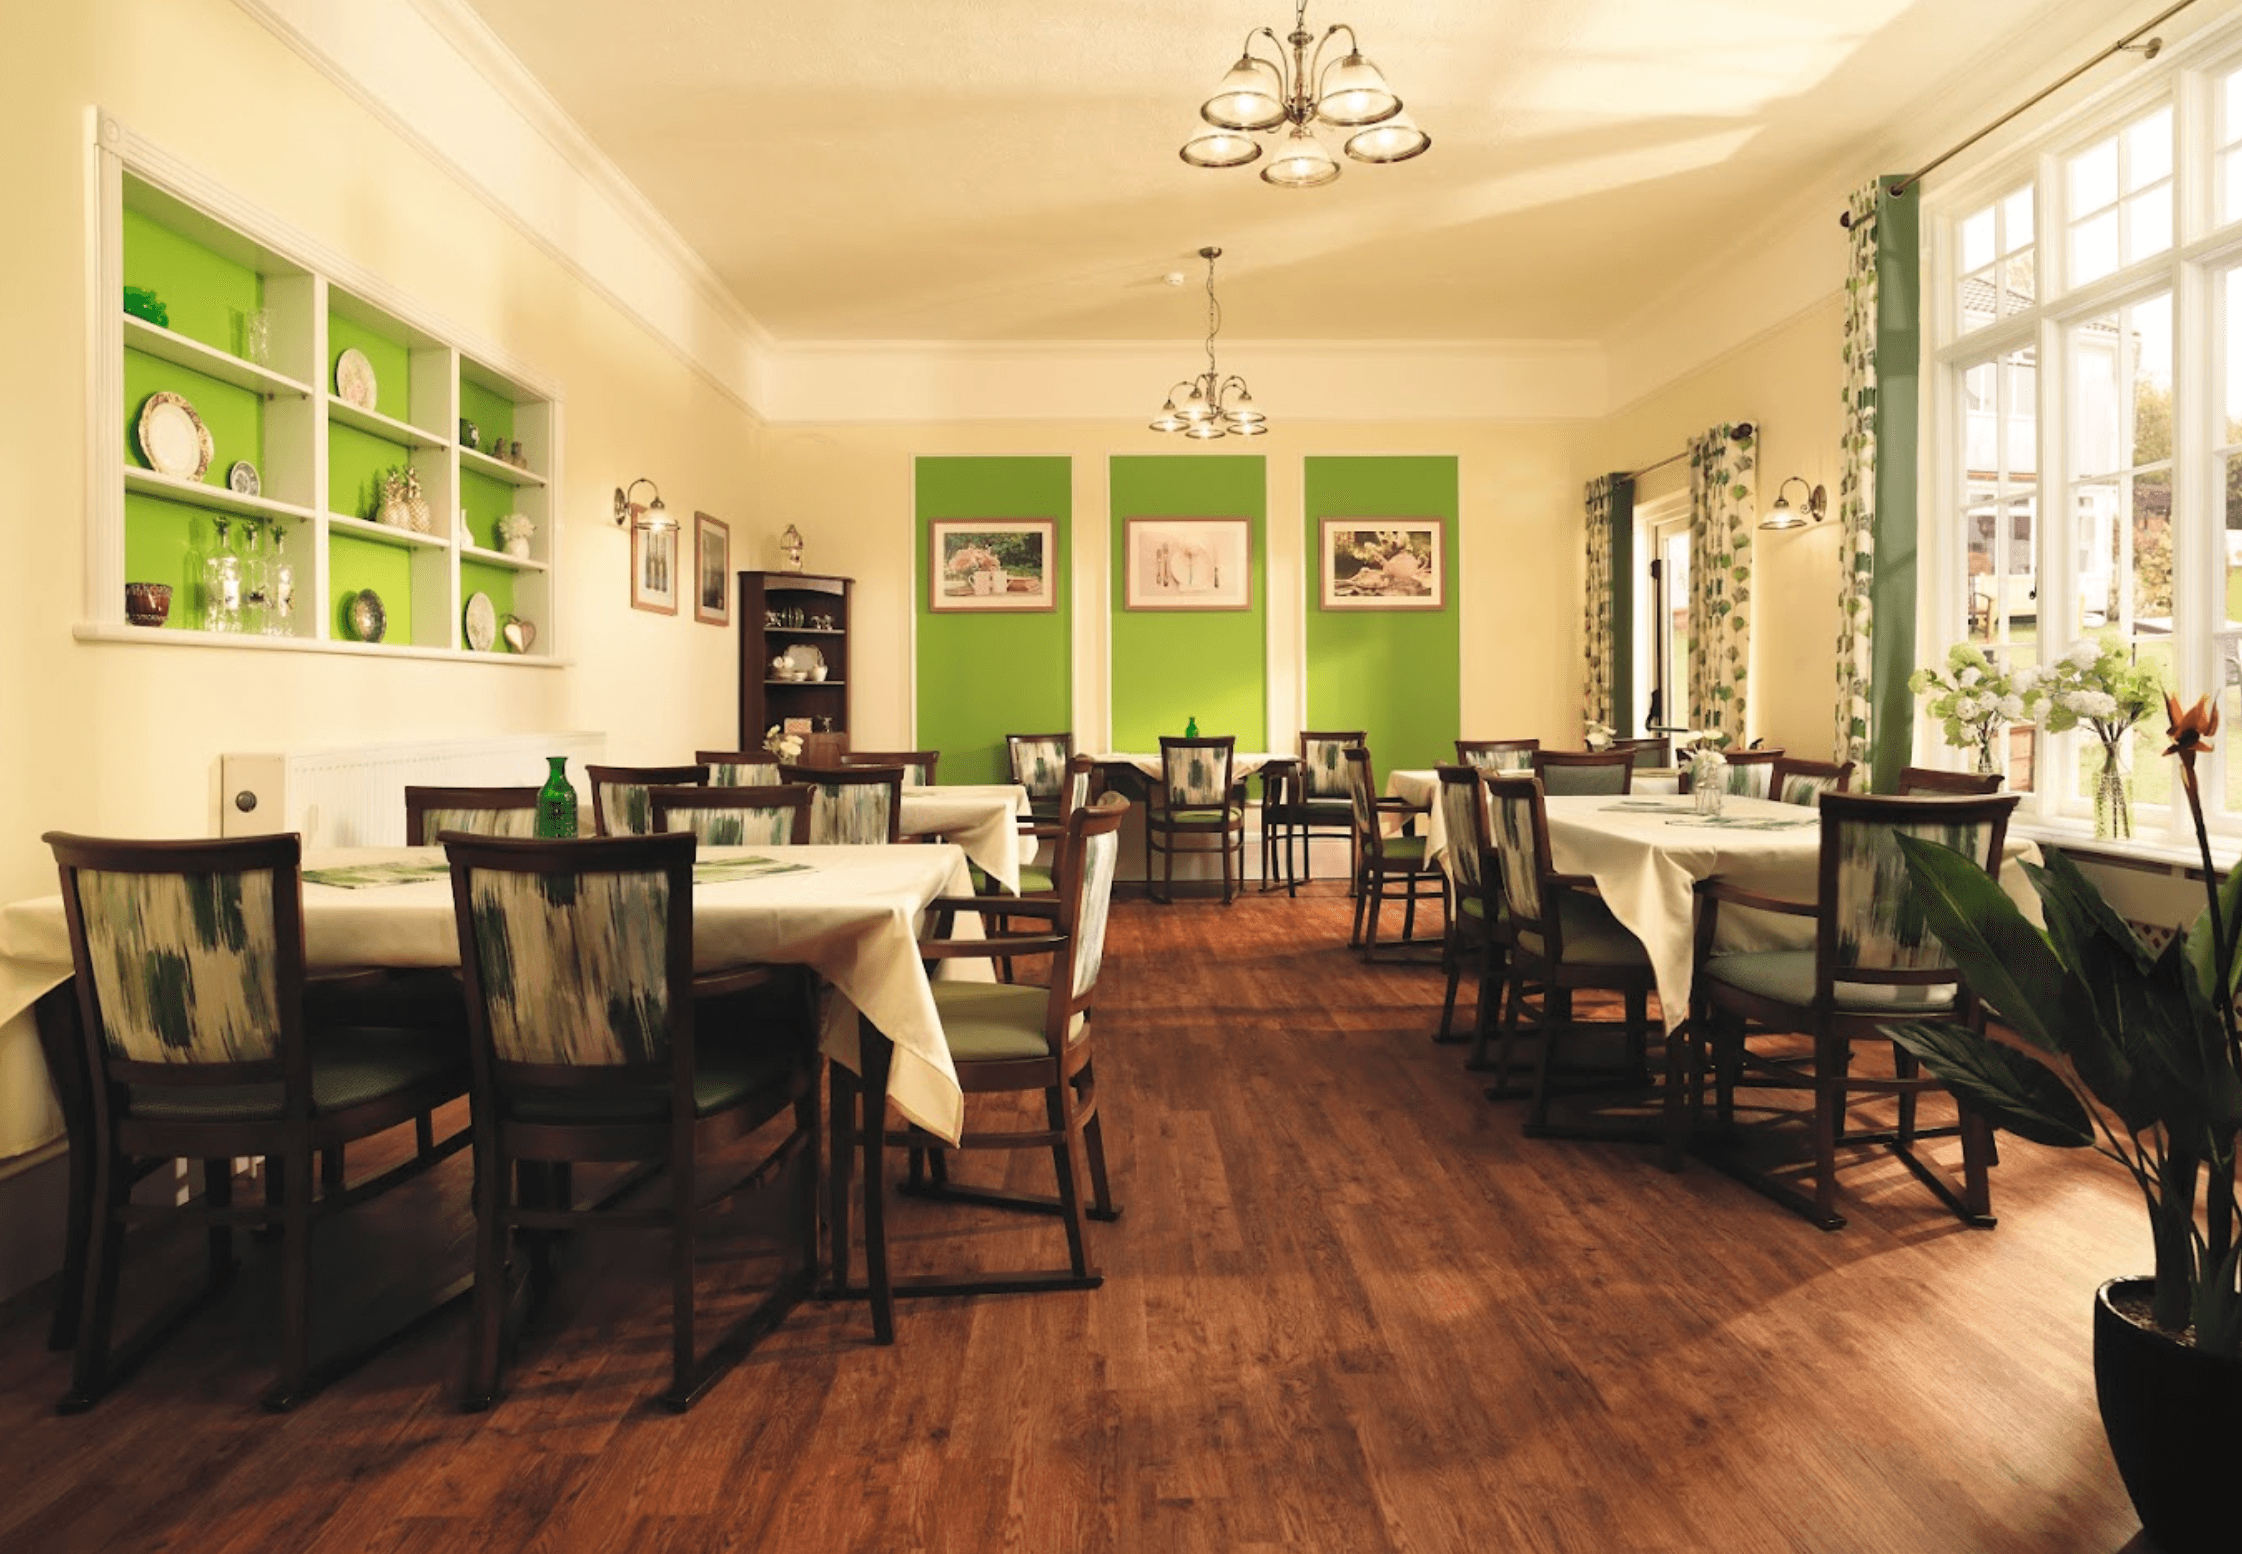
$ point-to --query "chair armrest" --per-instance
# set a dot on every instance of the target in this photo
(1731, 895)
(998, 906)
(988, 949)
(733, 979)
(1570, 881)
(919, 837)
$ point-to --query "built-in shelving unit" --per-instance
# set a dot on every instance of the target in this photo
(216, 263)
(775, 609)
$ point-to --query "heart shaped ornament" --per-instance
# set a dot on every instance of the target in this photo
(520, 635)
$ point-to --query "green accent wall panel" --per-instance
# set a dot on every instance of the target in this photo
(486, 500)
(392, 364)
(492, 413)
(352, 564)
(356, 462)
(201, 292)
(985, 674)
(1394, 673)
(1173, 666)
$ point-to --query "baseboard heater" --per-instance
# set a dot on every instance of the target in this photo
(354, 796)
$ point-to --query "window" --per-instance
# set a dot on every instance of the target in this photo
(2086, 414)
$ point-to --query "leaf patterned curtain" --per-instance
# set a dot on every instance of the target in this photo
(1723, 467)
(1856, 486)
(1596, 626)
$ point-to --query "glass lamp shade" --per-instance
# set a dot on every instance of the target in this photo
(1220, 148)
(1392, 140)
(657, 517)
(1196, 409)
(1248, 428)
(1301, 163)
(1250, 97)
(1167, 420)
(1209, 428)
(1783, 516)
(1244, 413)
(1354, 93)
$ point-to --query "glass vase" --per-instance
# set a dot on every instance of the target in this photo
(2113, 808)
(556, 801)
(1988, 740)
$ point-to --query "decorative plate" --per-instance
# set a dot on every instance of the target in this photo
(802, 657)
(482, 622)
(354, 379)
(242, 478)
(368, 620)
(173, 439)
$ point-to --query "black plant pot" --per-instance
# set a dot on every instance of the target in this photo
(2174, 1420)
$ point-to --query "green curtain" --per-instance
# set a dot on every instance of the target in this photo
(1723, 508)
(1856, 488)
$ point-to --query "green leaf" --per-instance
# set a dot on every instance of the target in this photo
(2008, 962)
(2019, 1093)
(2203, 948)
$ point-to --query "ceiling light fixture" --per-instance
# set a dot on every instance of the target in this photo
(652, 515)
(1260, 94)
(1204, 413)
(1784, 516)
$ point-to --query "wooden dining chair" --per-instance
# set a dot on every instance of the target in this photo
(918, 765)
(1563, 938)
(1874, 961)
(1387, 868)
(770, 816)
(852, 806)
(619, 804)
(1922, 781)
(1650, 751)
(1039, 764)
(190, 985)
(1794, 780)
(1498, 755)
(592, 1040)
(1195, 800)
(486, 811)
(1750, 772)
(1310, 800)
(1003, 1038)
(1477, 930)
(739, 768)
(1585, 771)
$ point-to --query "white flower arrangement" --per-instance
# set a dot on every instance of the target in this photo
(516, 526)
(787, 747)
(1598, 736)
(1975, 697)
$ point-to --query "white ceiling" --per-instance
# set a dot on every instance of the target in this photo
(969, 170)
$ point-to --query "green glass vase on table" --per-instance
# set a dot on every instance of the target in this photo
(556, 801)
(2103, 1045)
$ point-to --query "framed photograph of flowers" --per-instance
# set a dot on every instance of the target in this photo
(712, 568)
(1384, 564)
(1188, 564)
(992, 564)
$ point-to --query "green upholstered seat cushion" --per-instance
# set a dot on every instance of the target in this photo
(1034, 880)
(1328, 811)
(1787, 976)
(729, 1071)
(987, 1022)
(1593, 936)
(349, 1067)
(1231, 815)
(1476, 906)
(1404, 849)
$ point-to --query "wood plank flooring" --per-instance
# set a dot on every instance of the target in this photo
(1347, 1308)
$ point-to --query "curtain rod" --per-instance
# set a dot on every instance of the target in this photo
(2148, 50)
(1736, 433)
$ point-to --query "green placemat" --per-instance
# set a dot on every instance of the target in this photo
(365, 876)
(1655, 806)
(719, 870)
(1744, 823)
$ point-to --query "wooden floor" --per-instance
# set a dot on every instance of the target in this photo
(1348, 1308)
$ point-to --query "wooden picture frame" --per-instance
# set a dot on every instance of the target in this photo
(1383, 563)
(1187, 564)
(992, 564)
(654, 569)
(712, 570)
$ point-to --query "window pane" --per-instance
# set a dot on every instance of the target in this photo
(2231, 537)
(2095, 431)
(2023, 414)
(1977, 240)
(1980, 512)
(2094, 248)
(2230, 286)
(2230, 193)
(2152, 550)
(1975, 300)
(1981, 443)
(2148, 342)
(2019, 283)
(2094, 177)
(2101, 541)
(2148, 150)
(2016, 220)
(2148, 223)
(2230, 108)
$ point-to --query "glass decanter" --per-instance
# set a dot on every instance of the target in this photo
(280, 612)
(221, 583)
(256, 580)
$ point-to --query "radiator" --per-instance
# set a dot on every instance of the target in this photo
(355, 796)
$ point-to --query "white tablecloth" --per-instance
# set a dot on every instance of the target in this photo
(1422, 788)
(853, 916)
(982, 818)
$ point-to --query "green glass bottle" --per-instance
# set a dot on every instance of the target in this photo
(1191, 728)
(556, 801)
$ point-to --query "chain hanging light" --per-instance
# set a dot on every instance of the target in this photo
(1260, 94)
(1207, 411)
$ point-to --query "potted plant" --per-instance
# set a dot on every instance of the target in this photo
(2135, 1056)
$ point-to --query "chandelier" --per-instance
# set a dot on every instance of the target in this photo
(1260, 94)
(1203, 413)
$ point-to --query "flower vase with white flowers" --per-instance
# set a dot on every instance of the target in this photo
(2099, 685)
(1974, 698)
(787, 747)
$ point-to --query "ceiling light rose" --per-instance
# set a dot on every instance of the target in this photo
(1260, 94)
(1204, 407)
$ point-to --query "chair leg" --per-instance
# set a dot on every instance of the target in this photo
(1062, 1122)
(840, 1165)
(89, 1365)
(218, 1192)
(1102, 1206)
(1905, 1066)
(1453, 956)
(809, 1122)
(681, 1338)
(1225, 840)
(484, 1327)
(331, 1171)
(424, 1135)
(77, 1234)
(877, 1055)
(294, 1381)
(1374, 891)
(1829, 1102)
(1556, 1016)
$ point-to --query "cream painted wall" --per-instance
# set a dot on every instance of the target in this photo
(849, 488)
(124, 737)
(1788, 381)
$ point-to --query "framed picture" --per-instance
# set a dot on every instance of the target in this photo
(712, 570)
(1384, 564)
(992, 564)
(654, 570)
(1188, 564)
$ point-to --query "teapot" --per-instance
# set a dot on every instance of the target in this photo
(780, 667)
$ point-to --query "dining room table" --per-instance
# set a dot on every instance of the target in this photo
(983, 818)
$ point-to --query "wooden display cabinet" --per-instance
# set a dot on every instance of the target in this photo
(806, 617)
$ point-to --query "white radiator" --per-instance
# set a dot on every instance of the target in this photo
(355, 796)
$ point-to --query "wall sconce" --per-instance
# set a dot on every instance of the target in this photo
(1784, 516)
(653, 515)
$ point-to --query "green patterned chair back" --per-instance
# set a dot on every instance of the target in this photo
(1362, 797)
(1870, 921)
(429, 812)
(1585, 771)
(188, 953)
(620, 806)
(1039, 762)
(1096, 831)
(856, 806)
(767, 816)
(1498, 755)
(572, 949)
(1804, 782)
(918, 766)
(1515, 827)
(1462, 815)
(1197, 771)
(1081, 774)
(1323, 762)
(743, 774)
(1750, 772)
